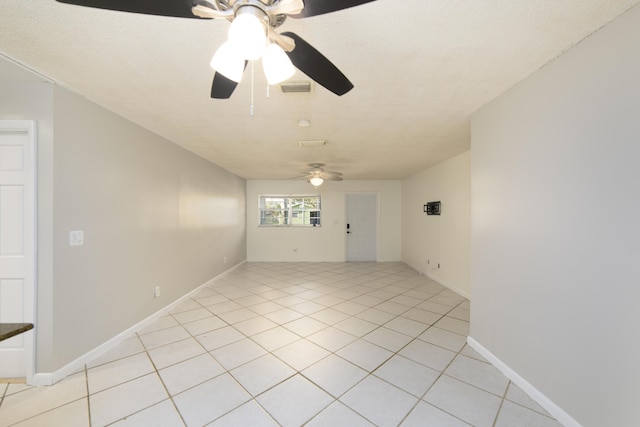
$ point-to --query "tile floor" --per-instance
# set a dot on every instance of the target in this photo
(291, 344)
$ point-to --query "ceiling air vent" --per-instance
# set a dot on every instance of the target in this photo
(303, 86)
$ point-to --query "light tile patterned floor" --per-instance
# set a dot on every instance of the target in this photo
(291, 344)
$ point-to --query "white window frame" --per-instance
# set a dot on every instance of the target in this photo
(289, 217)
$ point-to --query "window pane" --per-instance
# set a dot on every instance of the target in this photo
(315, 217)
(290, 211)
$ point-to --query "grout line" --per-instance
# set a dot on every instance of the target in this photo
(396, 353)
(297, 372)
(546, 415)
(504, 396)
(86, 380)
(155, 368)
(459, 352)
(32, 416)
(4, 392)
(137, 378)
(252, 398)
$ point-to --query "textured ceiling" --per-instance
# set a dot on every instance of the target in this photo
(420, 69)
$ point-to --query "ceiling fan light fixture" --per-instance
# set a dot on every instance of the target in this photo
(316, 181)
(248, 32)
(277, 65)
(228, 62)
(253, 26)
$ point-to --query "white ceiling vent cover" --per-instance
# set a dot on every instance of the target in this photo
(302, 86)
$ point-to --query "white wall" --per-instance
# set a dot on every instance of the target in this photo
(153, 214)
(431, 240)
(556, 228)
(328, 242)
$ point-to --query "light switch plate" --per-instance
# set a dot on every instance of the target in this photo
(76, 238)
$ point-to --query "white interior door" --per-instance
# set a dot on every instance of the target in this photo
(362, 227)
(17, 243)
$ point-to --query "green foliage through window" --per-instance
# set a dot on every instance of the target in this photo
(290, 211)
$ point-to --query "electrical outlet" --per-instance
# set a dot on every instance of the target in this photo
(156, 292)
(224, 260)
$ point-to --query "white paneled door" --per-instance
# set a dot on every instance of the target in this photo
(362, 227)
(17, 243)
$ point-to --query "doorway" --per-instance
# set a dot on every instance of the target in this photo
(17, 244)
(362, 227)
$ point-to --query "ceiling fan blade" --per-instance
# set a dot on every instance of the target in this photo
(175, 8)
(319, 7)
(222, 87)
(315, 65)
(331, 175)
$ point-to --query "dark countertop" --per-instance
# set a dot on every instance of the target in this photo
(8, 330)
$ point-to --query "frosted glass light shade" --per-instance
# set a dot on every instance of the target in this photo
(277, 65)
(249, 35)
(316, 181)
(228, 62)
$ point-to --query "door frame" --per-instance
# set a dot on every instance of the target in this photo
(30, 229)
(346, 217)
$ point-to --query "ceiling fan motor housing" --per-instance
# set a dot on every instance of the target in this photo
(259, 9)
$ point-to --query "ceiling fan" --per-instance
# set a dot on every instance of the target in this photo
(317, 175)
(252, 35)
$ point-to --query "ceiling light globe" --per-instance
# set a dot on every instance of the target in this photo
(228, 62)
(316, 181)
(277, 65)
(249, 34)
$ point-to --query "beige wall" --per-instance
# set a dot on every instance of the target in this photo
(152, 213)
(328, 242)
(555, 229)
(431, 240)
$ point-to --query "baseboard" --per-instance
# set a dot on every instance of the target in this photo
(77, 365)
(554, 410)
(438, 280)
(449, 286)
(41, 379)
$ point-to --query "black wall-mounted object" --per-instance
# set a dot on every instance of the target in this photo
(432, 208)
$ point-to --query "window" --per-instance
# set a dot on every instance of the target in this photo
(291, 211)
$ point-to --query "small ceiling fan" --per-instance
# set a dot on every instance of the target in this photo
(252, 35)
(317, 175)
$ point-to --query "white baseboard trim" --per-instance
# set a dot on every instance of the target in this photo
(44, 379)
(449, 286)
(41, 379)
(554, 410)
(438, 280)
